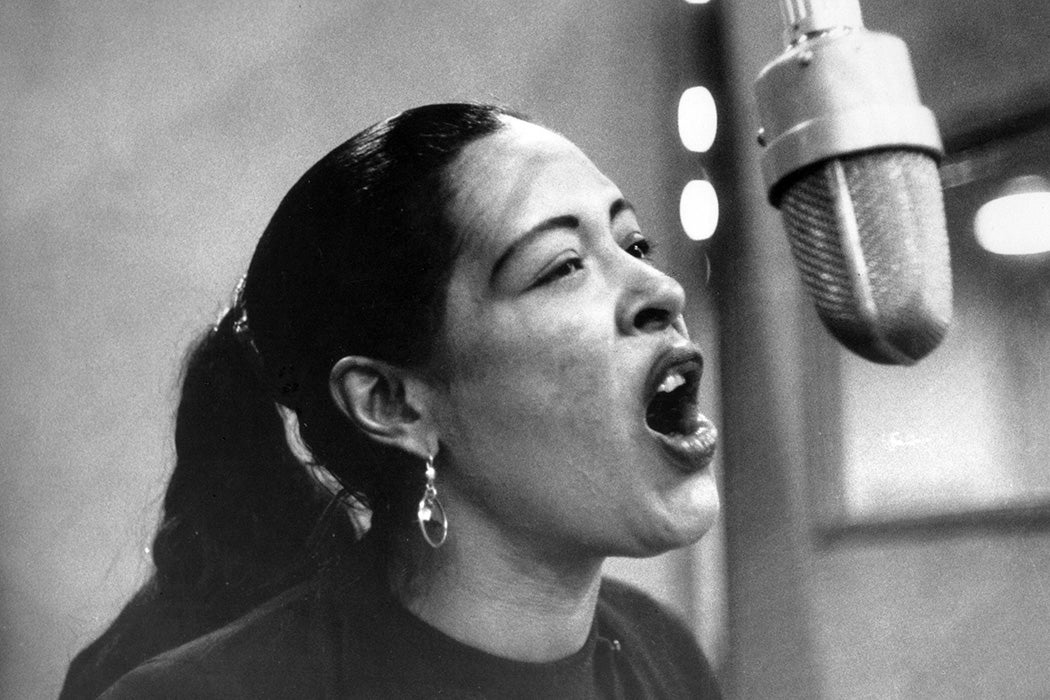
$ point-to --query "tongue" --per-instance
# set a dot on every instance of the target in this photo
(689, 421)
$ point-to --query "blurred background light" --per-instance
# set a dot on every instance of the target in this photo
(697, 119)
(1018, 221)
(697, 2)
(698, 209)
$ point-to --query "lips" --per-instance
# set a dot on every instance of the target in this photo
(672, 413)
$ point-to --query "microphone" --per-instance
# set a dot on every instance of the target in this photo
(850, 160)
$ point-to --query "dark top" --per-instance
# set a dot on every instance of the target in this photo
(323, 641)
(152, 622)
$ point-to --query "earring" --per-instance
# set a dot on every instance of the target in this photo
(432, 521)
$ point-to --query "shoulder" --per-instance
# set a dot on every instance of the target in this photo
(148, 625)
(277, 650)
(661, 652)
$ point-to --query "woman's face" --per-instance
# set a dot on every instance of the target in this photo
(566, 382)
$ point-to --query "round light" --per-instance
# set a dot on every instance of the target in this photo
(1017, 223)
(697, 119)
(697, 2)
(698, 209)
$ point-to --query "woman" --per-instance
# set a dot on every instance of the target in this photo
(453, 324)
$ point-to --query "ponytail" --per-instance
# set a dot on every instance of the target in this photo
(239, 509)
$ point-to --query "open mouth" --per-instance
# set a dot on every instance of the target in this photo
(673, 410)
(672, 413)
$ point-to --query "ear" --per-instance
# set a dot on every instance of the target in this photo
(388, 403)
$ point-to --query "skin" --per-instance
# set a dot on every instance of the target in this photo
(535, 402)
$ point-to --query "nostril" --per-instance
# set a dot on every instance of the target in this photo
(652, 319)
(650, 302)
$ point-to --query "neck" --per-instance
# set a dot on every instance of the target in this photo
(503, 600)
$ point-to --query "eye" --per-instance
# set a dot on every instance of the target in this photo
(564, 268)
(641, 248)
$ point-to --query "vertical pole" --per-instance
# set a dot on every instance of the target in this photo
(771, 647)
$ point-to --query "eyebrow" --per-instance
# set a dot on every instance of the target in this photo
(564, 221)
(621, 206)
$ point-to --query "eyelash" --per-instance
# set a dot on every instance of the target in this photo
(641, 248)
(564, 269)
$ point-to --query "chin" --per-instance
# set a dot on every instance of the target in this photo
(676, 528)
(688, 516)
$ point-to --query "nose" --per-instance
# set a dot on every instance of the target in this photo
(650, 302)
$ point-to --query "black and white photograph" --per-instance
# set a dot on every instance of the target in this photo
(563, 349)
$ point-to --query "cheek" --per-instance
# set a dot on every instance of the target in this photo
(533, 383)
(528, 415)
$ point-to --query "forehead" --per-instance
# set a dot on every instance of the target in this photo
(509, 181)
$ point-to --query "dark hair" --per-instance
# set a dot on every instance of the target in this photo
(354, 262)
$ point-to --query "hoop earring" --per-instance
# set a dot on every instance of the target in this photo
(431, 515)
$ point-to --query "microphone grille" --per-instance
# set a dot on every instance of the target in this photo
(869, 235)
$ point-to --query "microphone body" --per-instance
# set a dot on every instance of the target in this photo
(851, 162)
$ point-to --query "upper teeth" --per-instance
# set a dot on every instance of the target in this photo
(671, 382)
